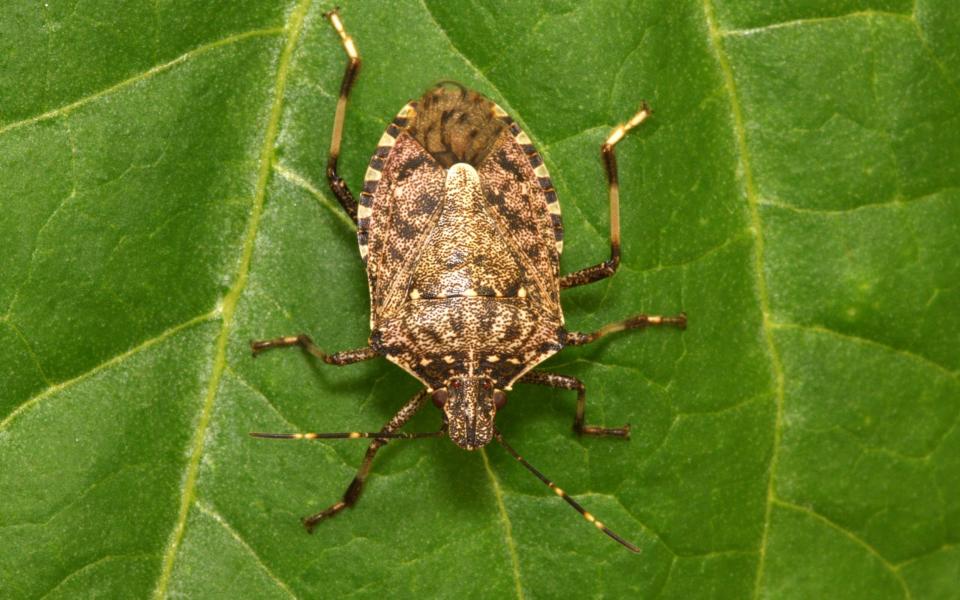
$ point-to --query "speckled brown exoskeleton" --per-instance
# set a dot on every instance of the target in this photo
(459, 226)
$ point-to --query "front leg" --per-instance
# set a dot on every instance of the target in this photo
(565, 382)
(337, 185)
(388, 432)
(608, 267)
(345, 357)
(355, 488)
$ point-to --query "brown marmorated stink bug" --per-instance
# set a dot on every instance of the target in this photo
(459, 226)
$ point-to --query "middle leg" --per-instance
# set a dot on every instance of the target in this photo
(345, 357)
(565, 382)
(578, 338)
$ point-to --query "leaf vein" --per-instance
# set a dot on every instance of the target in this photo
(302, 182)
(603, 129)
(332, 455)
(851, 536)
(714, 40)
(259, 393)
(932, 55)
(71, 106)
(732, 240)
(210, 512)
(78, 497)
(941, 548)
(860, 14)
(33, 400)
(723, 409)
(930, 363)
(32, 261)
(292, 28)
(897, 202)
(90, 565)
(650, 530)
(505, 521)
(33, 355)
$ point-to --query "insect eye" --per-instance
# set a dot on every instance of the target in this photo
(440, 398)
(456, 384)
(487, 385)
(499, 399)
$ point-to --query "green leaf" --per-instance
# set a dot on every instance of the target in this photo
(797, 193)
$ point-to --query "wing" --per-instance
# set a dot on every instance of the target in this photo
(403, 191)
(520, 194)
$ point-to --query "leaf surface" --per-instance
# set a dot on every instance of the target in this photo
(797, 193)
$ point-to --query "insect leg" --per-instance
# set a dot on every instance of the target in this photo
(346, 357)
(337, 184)
(558, 491)
(608, 267)
(356, 486)
(578, 338)
(565, 382)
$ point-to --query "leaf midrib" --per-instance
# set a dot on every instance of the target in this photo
(756, 225)
(767, 323)
(293, 28)
(64, 111)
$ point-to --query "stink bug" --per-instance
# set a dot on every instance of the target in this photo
(459, 226)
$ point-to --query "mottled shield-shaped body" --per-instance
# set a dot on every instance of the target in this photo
(460, 229)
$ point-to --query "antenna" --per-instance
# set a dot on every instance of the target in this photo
(349, 435)
(559, 491)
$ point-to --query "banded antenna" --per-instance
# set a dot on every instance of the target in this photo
(559, 491)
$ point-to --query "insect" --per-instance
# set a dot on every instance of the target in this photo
(459, 226)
